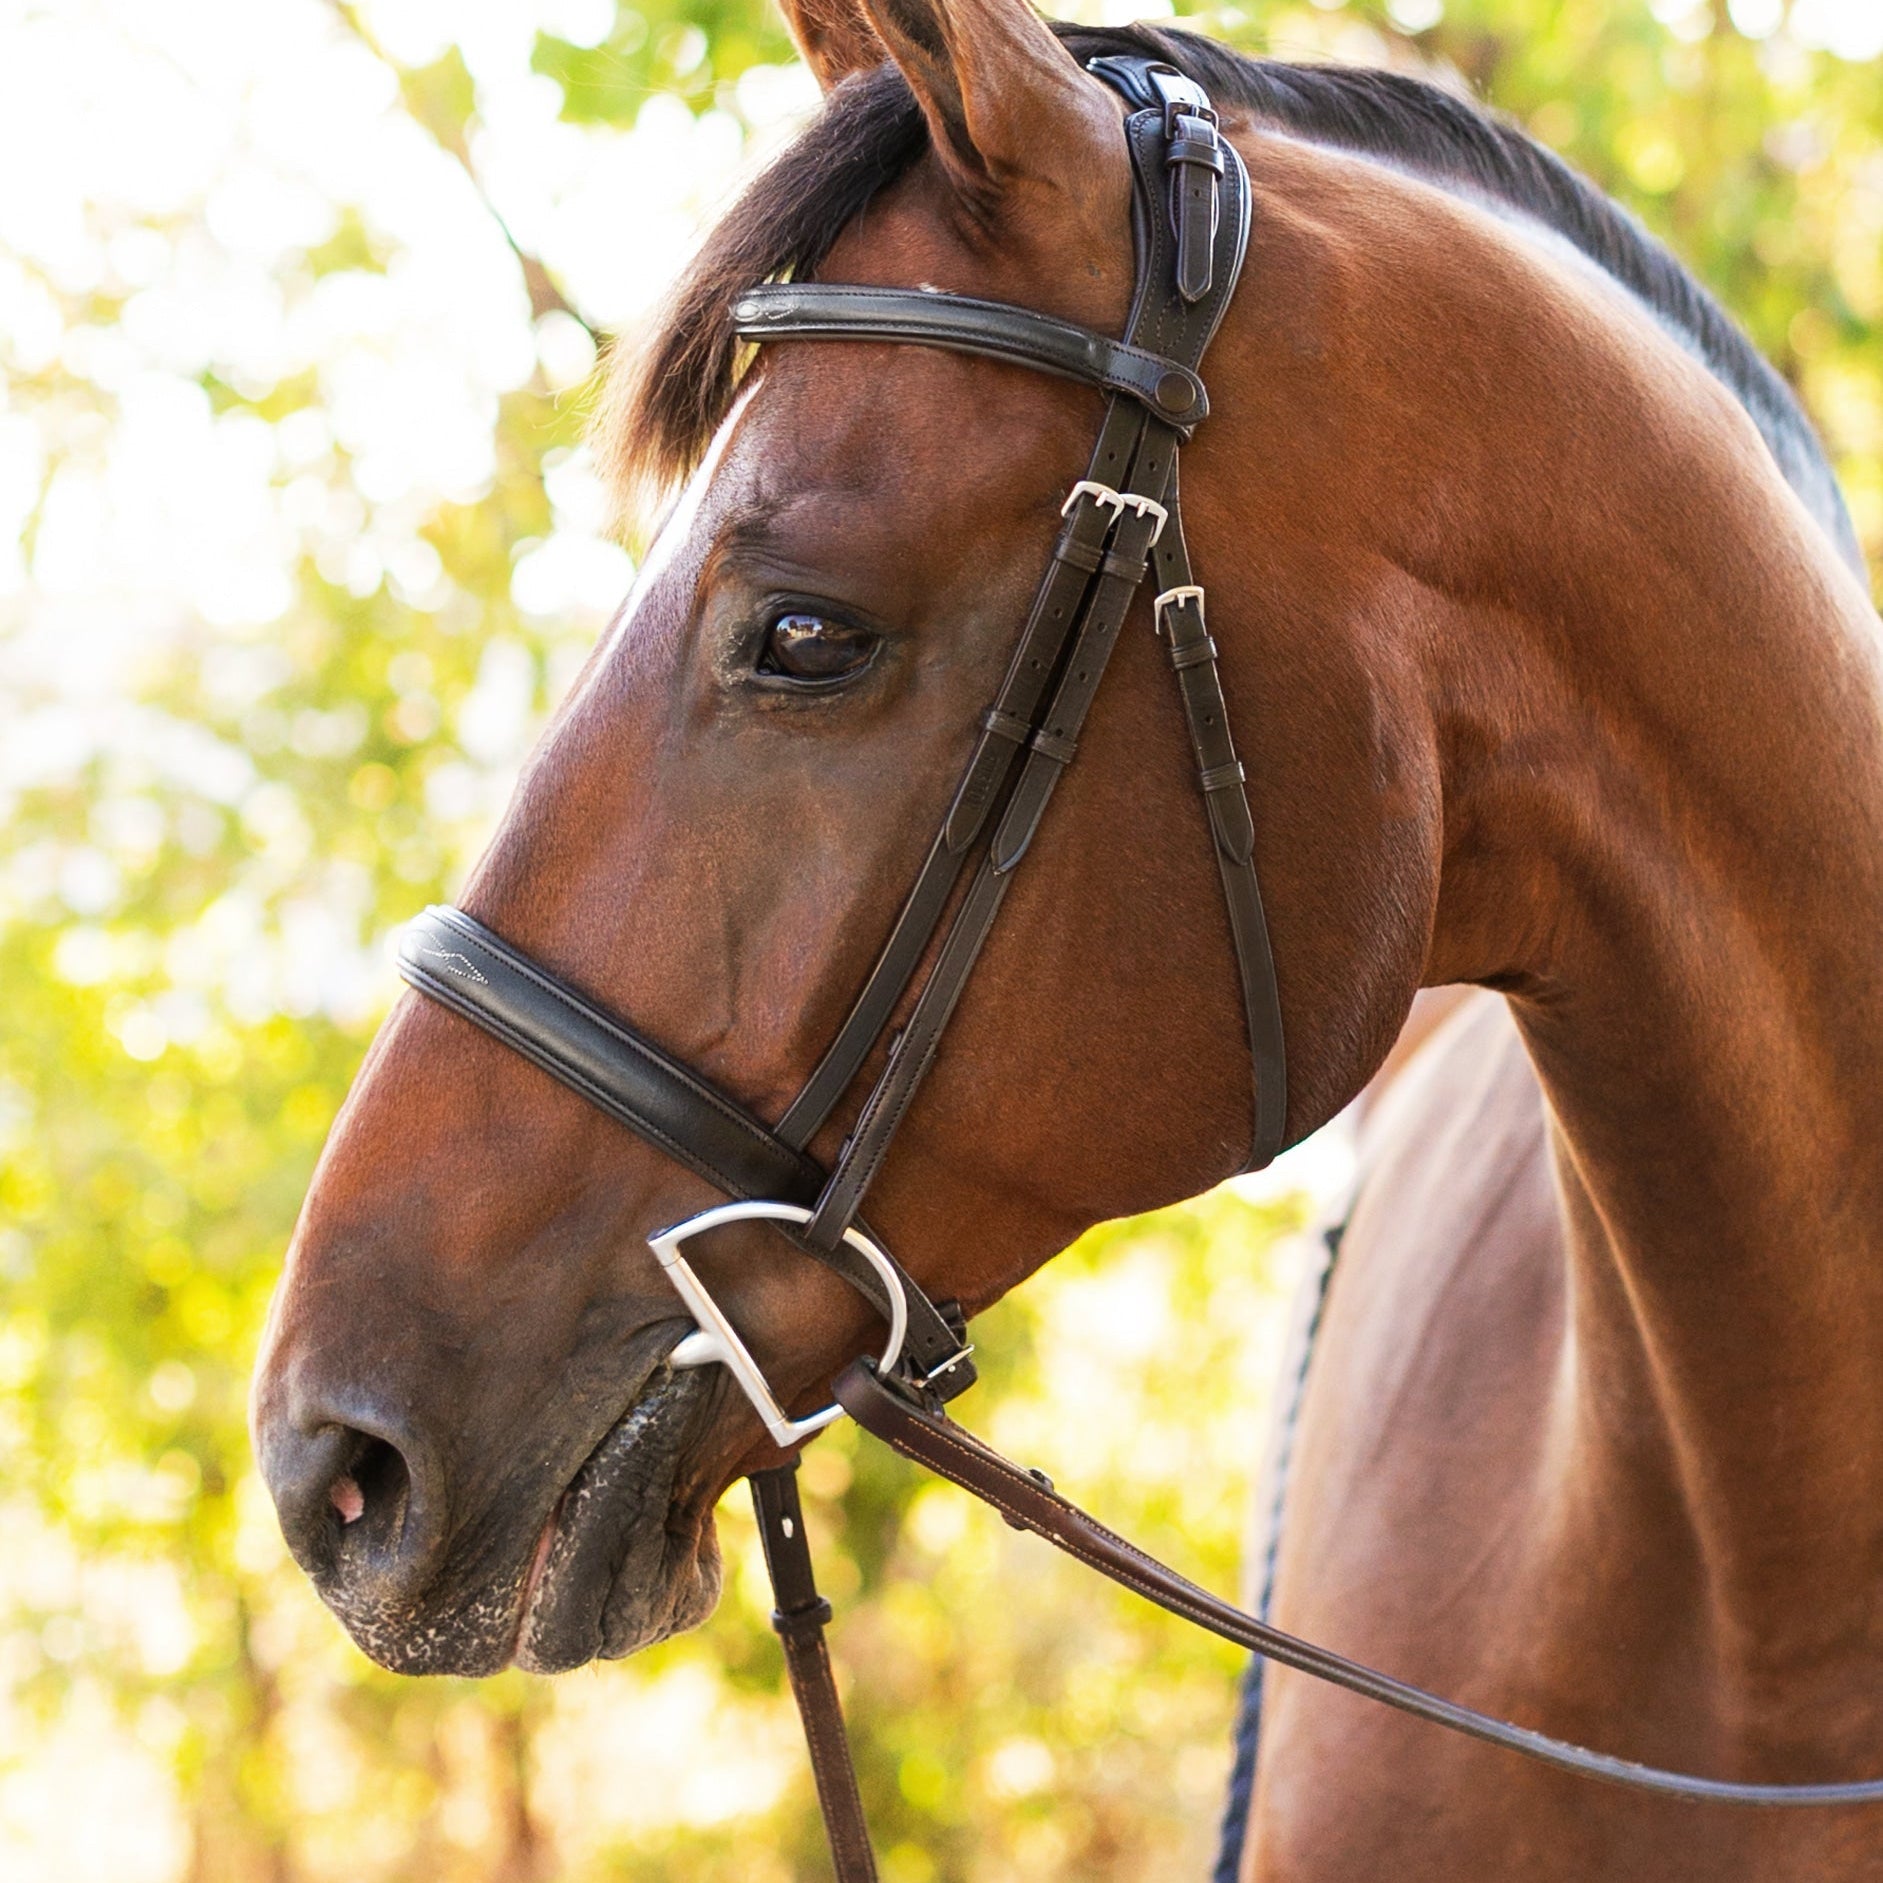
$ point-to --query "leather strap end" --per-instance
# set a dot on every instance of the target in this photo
(1230, 823)
(1194, 158)
(1024, 810)
(984, 773)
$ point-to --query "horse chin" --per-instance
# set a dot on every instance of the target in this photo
(620, 1565)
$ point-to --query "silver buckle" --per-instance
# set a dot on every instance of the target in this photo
(715, 1341)
(1187, 591)
(1119, 500)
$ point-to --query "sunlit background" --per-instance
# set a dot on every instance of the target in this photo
(299, 305)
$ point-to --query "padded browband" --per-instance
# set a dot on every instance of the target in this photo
(811, 310)
(459, 963)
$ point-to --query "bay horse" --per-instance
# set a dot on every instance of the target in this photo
(1544, 619)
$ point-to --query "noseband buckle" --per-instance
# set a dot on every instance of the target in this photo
(715, 1341)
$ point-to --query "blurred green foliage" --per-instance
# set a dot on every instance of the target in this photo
(691, 47)
(161, 1108)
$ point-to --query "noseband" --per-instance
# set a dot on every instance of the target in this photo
(1122, 522)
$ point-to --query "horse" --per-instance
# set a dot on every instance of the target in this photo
(1543, 626)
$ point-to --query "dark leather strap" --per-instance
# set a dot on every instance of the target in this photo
(913, 1052)
(1232, 829)
(800, 1615)
(813, 310)
(461, 964)
(1028, 1502)
(1005, 728)
(1136, 514)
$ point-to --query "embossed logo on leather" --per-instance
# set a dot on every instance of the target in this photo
(460, 965)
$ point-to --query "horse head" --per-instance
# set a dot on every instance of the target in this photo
(465, 1407)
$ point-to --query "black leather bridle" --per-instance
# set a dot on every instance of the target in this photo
(1122, 522)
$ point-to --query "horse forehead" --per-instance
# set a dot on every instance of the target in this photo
(677, 541)
(876, 460)
(1058, 257)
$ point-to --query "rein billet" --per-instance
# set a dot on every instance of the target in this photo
(1122, 522)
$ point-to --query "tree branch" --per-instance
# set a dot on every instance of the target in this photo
(448, 135)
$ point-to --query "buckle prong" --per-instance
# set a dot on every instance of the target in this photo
(1120, 500)
(1101, 494)
(1184, 592)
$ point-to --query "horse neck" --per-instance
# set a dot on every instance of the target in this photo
(1619, 735)
(1665, 840)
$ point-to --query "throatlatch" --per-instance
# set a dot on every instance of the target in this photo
(1122, 522)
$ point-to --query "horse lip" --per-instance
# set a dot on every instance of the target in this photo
(582, 1553)
(539, 1561)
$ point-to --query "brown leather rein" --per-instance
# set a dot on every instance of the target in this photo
(1191, 216)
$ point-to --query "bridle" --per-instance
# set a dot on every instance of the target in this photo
(1122, 522)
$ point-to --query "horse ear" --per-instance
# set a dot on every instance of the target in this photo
(835, 37)
(1004, 100)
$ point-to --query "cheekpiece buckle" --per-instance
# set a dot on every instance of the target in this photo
(1120, 500)
(1171, 598)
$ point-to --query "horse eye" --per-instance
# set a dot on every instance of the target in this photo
(807, 647)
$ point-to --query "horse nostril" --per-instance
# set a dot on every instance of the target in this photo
(362, 1500)
(376, 1485)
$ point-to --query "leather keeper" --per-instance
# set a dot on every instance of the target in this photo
(1221, 777)
(801, 1622)
(1005, 726)
(1192, 653)
(1052, 746)
(1206, 153)
(1123, 567)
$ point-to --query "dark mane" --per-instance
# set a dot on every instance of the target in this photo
(665, 404)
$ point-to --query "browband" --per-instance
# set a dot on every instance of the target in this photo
(814, 310)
